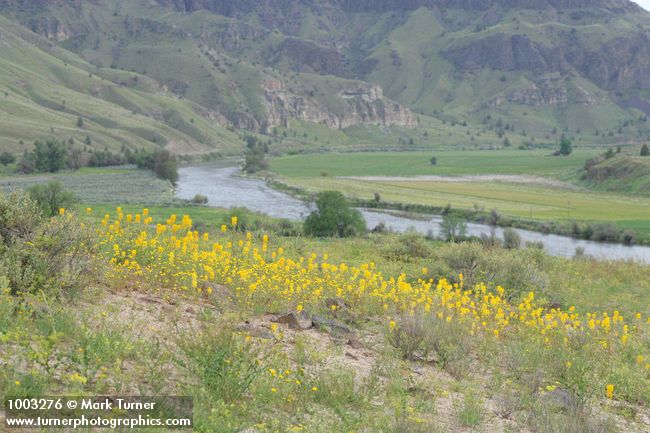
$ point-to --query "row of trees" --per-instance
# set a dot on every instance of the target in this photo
(53, 155)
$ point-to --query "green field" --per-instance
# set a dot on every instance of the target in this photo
(120, 185)
(450, 163)
(536, 200)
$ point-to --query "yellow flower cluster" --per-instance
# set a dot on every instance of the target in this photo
(172, 255)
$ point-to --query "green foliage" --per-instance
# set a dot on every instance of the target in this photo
(433, 160)
(48, 156)
(51, 197)
(471, 412)
(255, 156)
(452, 226)
(224, 362)
(511, 239)
(7, 158)
(566, 147)
(162, 162)
(52, 255)
(520, 271)
(645, 150)
(334, 217)
(199, 199)
(410, 246)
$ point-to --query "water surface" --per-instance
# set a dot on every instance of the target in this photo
(224, 187)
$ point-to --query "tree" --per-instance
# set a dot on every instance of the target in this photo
(566, 147)
(506, 142)
(434, 160)
(334, 217)
(645, 151)
(166, 166)
(80, 122)
(7, 158)
(609, 153)
(452, 226)
(51, 197)
(255, 156)
(255, 160)
(161, 162)
(76, 159)
(50, 156)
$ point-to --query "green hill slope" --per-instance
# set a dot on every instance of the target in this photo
(531, 70)
(44, 90)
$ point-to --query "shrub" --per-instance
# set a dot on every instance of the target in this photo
(425, 335)
(433, 160)
(606, 233)
(51, 197)
(628, 237)
(161, 162)
(518, 271)
(566, 147)
(494, 218)
(334, 217)
(19, 217)
(224, 362)
(199, 199)
(53, 255)
(409, 246)
(645, 150)
(511, 239)
(166, 166)
(244, 220)
(7, 158)
(408, 337)
(452, 227)
(50, 156)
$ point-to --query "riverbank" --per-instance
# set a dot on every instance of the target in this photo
(585, 230)
(225, 187)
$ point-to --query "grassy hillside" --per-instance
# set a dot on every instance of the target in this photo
(621, 173)
(517, 70)
(45, 89)
(397, 334)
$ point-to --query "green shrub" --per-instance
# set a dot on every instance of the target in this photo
(334, 217)
(199, 199)
(518, 271)
(224, 362)
(408, 247)
(645, 150)
(161, 162)
(50, 156)
(19, 217)
(452, 226)
(51, 197)
(7, 158)
(52, 255)
(511, 239)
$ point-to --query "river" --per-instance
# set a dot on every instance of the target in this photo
(224, 187)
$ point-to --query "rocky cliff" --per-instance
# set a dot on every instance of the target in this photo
(362, 104)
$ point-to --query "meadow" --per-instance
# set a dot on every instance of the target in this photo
(402, 334)
(122, 185)
(537, 162)
(550, 196)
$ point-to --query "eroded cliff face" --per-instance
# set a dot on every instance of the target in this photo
(361, 104)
